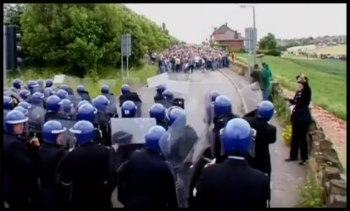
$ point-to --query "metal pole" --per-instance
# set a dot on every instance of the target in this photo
(255, 38)
(5, 57)
(122, 69)
(127, 66)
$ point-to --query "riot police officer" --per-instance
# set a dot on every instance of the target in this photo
(128, 109)
(82, 103)
(127, 94)
(265, 135)
(48, 83)
(87, 170)
(145, 180)
(159, 89)
(20, 169)
(38, 99)
(21, 109)
(67, 108)
(100, 103)
(17, 84)
(233, 184)
(222, 114)
(25, 105)
(168, 95)
(48, 91)
(49, 154)
(158, 111)
(83, 93)
(33, 86)
(101, 122)
(25, 95)
(8, 103)
(105, 89)
(62, 94)
(52, 107)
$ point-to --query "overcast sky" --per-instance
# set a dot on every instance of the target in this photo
(193, 23)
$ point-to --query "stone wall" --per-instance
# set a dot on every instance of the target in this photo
(324, 163)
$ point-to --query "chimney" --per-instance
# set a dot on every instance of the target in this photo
(226, 24)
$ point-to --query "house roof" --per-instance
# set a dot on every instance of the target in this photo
(222, 29)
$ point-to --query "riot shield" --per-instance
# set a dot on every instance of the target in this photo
(75, 99)
(138, 109)
(113, 104)
(176, 146)
(157, 80)
(127, 131)
(68, 137)
(251, 96)
(209, 109)
(36, 118)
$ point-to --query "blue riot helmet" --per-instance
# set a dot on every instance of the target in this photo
(15, 118)
(66, 106)
(265, 110)
(24, 94)
(157, 111)
(100, 103)
(214, 95)
(160, 89)
(84, 132)
(8, 103)
(51, 132)
(174, 114)
(25, 105)
(62, 94)
(17, 83)
(33, 86)
(49, 83)
(80, 89)
(236, 137)
(37, 98)
(128, 109)
(125, 89)
(82, 103)
(153, 137)
(105, 89)
(168, 94)
(48, 91)
(21, 109)
(53, 104)
(64, 87)
(86, 112)
(222, 105)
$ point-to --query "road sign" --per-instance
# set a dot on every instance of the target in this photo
(126, 52)
(126, 45)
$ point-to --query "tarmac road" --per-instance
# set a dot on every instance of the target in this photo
(286, 177)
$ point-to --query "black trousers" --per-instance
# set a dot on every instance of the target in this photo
(299, 140)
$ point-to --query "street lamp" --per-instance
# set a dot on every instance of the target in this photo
(254, 48)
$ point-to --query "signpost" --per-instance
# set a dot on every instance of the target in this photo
(5, 57)
(126, 52)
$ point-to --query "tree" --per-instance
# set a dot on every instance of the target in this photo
(83, 38)
(268, 42)
(12, 14)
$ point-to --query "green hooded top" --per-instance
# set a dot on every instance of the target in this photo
(267, 76)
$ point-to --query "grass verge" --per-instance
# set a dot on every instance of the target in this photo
(110, 76)
(327, 79)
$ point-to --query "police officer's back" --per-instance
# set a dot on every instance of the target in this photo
(49, 154)
(145, 180)
(233, 184)
(127, 94)
(266, 135)
(87, 169)
(20, 169)
(158, 112)
(159, 89)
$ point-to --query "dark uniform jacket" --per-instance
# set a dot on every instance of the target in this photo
(265, 135)
(301, 100)
(232, 185)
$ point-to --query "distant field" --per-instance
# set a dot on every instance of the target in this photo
(327, 79)
(332, 50)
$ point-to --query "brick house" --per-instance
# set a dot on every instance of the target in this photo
(224, 35)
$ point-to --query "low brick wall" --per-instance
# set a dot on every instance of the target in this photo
(324, 163)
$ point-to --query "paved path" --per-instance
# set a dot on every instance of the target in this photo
(285, 176)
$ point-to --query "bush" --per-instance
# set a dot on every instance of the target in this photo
(271, 52)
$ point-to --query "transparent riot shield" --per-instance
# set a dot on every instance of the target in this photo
(157, 80)
(138, 109)
(181, 87)
(176, 146)
(68, 137)
(36, 118)
(113, 104)
(127, 135)
(209, 109)
(252, 96)
(73, 83)
(75, 99)
(127, 131)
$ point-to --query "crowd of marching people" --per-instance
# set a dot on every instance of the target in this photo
(62, 149)
(188, 58)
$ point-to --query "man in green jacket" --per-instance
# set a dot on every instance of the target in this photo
(267, 76)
